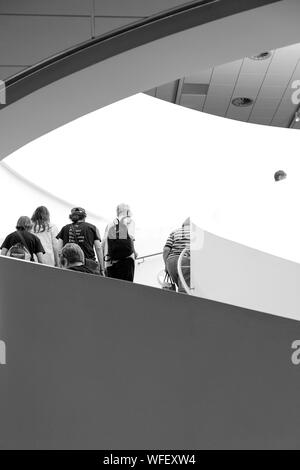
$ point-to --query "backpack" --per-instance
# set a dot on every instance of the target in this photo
(119, 243)
(20, 250)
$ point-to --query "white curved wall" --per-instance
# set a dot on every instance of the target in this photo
(169, 162)
(229, 272)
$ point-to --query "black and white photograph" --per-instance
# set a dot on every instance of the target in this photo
(150, 229)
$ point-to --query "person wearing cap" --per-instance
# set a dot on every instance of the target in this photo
(85, 235)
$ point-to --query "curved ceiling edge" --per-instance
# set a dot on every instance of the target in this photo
(121, 40)
(144, 67)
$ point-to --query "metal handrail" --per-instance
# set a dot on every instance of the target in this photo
(179, 270)
(149, 256)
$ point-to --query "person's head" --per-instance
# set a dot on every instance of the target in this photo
(280, 175)
(186, 223)
(24, 223)
(41, 219)
(123, 210)
(71, 255)
(78, 214)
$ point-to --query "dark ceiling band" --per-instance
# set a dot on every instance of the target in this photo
(121, 40)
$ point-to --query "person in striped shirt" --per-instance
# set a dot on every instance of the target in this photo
(177, 241)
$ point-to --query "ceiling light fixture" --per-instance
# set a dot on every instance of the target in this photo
(297, 116)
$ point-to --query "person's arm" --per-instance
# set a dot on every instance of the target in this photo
(104, 242)
(38, 250)
(54, 233)
(60, 245)
(167, 248)
(40, 257)
(6, 245)
(99, 253)
(166, 253)
(131, 232)
(55, 252)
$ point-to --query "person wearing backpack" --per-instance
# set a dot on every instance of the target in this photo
(118, 245)
(85, 235)
(22, 244)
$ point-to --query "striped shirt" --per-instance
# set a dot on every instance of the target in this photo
(179, 240)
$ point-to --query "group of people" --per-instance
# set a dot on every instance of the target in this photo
(78, 245)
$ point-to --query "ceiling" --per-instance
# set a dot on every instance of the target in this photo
(267, 82)
(33, 30)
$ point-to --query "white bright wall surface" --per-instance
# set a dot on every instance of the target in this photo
(167, 162)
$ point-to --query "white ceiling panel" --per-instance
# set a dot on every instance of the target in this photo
(239, 114)
(46, 7)
(267, 82)
(151, 92)
(273, 91)
(256, 66)
(140, 8)
(167, 92)
(284, 61)
(218, 99)
(264, 110)
(18, 44)
(193, 101)
(285, 111)
(201, 77)
(276, 79)
(226, 74)
(287, 108)
(248, 85)
(221, 88)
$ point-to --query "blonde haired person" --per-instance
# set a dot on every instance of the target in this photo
(118, 245)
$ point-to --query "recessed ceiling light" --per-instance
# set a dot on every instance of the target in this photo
(297, 116)
(242, 102)
(261, 56)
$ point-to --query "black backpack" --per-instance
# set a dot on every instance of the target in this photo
(119, 243)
